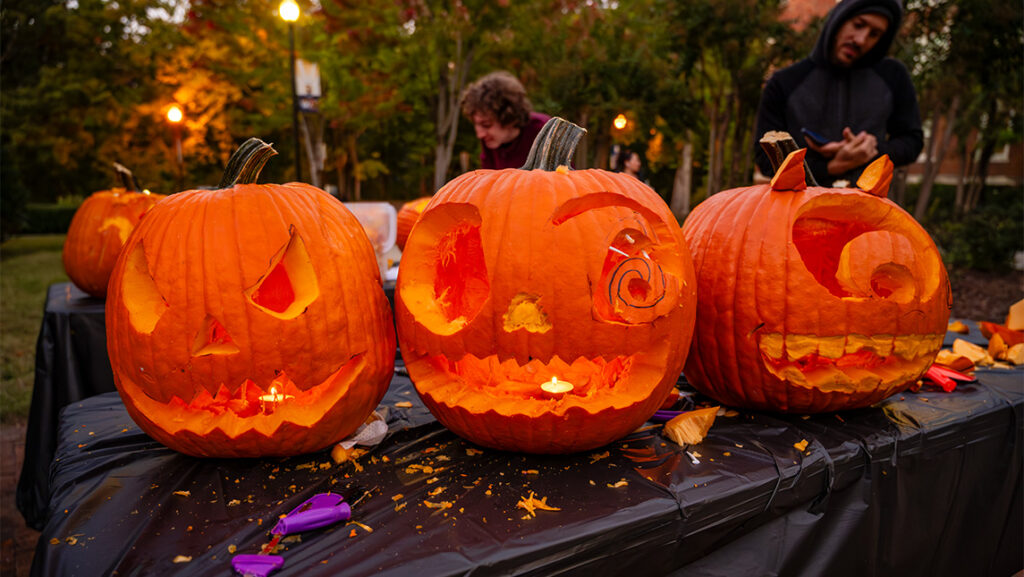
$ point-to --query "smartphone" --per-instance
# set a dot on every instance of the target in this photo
(816, 138)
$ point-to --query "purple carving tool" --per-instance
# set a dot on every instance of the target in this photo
(318, 511)
(256, 565)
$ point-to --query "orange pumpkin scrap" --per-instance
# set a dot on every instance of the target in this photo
(1011, 337)
(545, 310)
(407, 217)
(100, 228)
(250, 320)
(812, 299)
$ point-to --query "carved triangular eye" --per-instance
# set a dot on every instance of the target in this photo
(213, 339)
(289, 285)
(141, 297)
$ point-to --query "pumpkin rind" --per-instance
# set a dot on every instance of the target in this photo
(812, 300)
(407, 217)
(513, 277)
(221, 296)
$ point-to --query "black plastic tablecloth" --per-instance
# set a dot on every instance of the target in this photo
(71, 365)
(925, 483)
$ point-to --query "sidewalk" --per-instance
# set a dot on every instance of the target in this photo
(17, 541)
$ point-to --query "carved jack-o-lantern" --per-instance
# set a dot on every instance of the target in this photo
(99, 229)
(545, 310)
(812, 299)
(407, 217)
(250, 320)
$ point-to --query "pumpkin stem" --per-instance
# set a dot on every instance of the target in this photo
(246, 163)
(554, 146)
(126, 177)
(777, 145)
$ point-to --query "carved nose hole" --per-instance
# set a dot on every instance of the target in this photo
(213, 339)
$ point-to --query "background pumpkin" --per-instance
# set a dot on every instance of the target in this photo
(812, 299)
(100, 228)
(514, 277)
(407, 217)
(223, 298)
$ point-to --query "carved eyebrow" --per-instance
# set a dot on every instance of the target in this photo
(581, 204)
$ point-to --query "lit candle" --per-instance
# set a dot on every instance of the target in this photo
(273, 398)
(556, 387)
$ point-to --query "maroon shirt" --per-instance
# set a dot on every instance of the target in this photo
(513, 154)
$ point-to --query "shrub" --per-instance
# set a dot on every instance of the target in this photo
(49, 218)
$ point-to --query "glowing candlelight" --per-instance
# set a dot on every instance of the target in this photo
(556, 387)
(273, 398)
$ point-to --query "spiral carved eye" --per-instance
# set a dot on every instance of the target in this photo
(634, 287)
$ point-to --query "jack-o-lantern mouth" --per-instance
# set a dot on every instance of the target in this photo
(847, 362)
(537, 387)
(249, 406)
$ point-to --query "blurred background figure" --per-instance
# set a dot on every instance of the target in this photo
(503, 119)
(847, 101)
(629, 162)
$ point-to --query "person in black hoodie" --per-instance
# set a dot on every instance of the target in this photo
(858, 103)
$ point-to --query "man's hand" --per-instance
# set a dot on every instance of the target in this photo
(852, 151)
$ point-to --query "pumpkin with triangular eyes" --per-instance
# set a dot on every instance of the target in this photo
(812, 299)
(543, 309)
(250, 320)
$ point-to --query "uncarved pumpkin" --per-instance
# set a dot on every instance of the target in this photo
(99, 229)
(812, 299)
(516, 282)
(249, 320)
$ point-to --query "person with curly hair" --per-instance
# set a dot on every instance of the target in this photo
(503, 119)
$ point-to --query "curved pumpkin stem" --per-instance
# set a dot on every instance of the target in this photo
(126, 177)
(790, 176)
(554, 146)
(778, 145)
(246, 163)
(877, 177)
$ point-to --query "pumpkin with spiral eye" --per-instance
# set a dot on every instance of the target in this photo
(249, 321)
(543, 309)
(812, 299)
(100, 228)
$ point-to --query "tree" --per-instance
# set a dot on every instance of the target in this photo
(72, 76)
(982, 108)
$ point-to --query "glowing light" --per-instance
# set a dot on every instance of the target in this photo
(556, 387)
(269, 402)
(620, 122)
(289, 10)
(174, 114)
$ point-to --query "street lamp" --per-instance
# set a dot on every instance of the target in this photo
(289, 11)
(620, 121)
(175, 116)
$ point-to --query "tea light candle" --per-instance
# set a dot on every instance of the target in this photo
(556, 387)
(273, 398)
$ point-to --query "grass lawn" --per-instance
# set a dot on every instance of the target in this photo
(28, 265)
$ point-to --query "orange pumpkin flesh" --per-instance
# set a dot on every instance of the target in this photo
(97, 232)
(812, 299)
(227, 296)
(516, 282)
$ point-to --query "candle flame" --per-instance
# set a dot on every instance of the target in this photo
(556, 386)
